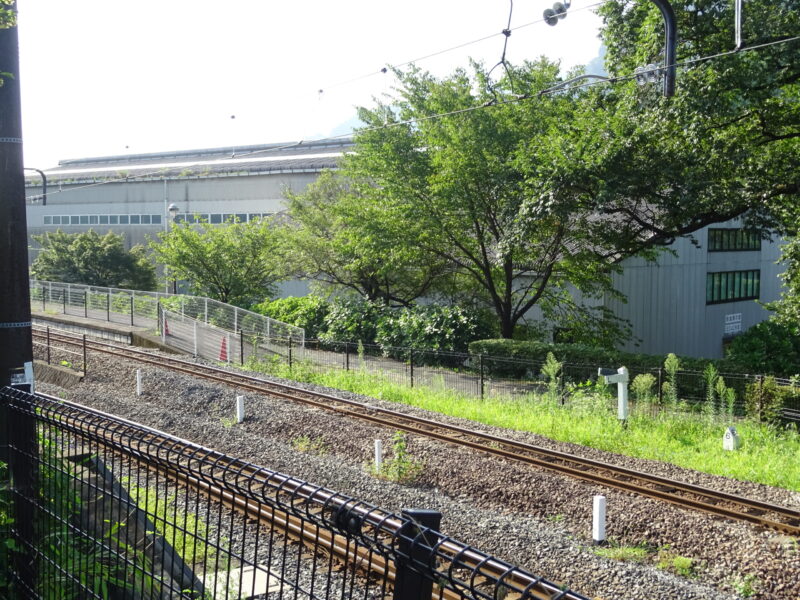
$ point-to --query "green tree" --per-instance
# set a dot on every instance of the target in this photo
(339, 238)
(237, 263)
(492, 190)
(728, 141)
(92, 259)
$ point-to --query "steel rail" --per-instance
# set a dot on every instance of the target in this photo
(480, 568)
(723, 504)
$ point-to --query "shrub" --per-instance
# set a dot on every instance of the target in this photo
(352, 320)
(763, 400)
(642, 387)
(767, 347)
(308, 312)
(432, 327)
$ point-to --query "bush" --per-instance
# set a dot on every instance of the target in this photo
(767, 347)
(432, 327)
(308, 312)
(763, 400)
(352, 320)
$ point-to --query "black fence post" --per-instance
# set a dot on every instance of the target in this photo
(480, 366)
(660, 388)
(84, 355)
(44, 306)
(241, 347)
(131, 310)
(22, 457)
(48, 345)
(108, 306)
(85, 304)
(290, 353)
(64, 301)
(347, 356)
(411, 365)
(414, 550)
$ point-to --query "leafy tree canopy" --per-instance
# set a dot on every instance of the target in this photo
(237, 263)
(340, 238)
(92, 259)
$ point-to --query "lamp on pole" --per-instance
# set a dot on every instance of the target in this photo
(172, 214)
(44, 183)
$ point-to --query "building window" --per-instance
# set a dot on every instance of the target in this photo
(134, 219)
(732, 240)
(123, 219)
(113, 219)
(74, 220)
(48, 220)
(216, 218)
(103, 219)
(145, 219)
(730, 286)
(92, 219)
(155, 219)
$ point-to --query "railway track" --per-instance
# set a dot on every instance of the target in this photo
(201, 469)
(686, 495)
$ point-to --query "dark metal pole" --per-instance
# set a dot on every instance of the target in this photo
(670, 43)
(411, 365)
(85, 304)
(290, 353)
(241, 347)
(415, 551)
(480, 365)
(347, 356)
(108, 306)
(131, 310)
(64, 301)
(48, 345)
(84, 355)
(16, 343)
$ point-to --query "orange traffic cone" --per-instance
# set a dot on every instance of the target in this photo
(223, 351)
(166, 326)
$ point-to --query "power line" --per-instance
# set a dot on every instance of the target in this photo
(559, 87)
(424, 57)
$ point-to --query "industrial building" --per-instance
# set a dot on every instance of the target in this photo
(691, 301)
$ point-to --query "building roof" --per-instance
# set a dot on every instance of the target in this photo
(242, 160)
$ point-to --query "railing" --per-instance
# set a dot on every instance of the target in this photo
(482, 376)
(95, 506)
(138, 308)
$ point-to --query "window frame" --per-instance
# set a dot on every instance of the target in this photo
(723, 287)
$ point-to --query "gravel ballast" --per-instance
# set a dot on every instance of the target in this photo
(538, 520)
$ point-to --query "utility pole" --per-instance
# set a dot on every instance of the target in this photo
(16, 350)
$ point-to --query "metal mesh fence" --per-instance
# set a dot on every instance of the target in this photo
(137, 308)
(484, 376)
(96, 506)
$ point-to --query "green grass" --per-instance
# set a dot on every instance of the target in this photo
(638, 554)
(691, 441)
(183, 530)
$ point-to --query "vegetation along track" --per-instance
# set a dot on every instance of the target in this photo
(721, 504)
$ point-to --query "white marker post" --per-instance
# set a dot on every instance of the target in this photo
(239, 409)
(621, 378)
(378, 455)
(599, 520)
(138, 382)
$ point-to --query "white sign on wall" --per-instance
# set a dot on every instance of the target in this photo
(733, 323)
(733, 318)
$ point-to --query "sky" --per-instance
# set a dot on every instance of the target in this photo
(107, 77)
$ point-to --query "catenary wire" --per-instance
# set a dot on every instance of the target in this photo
(559, 87)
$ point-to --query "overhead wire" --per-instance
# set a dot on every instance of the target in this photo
(558, 87)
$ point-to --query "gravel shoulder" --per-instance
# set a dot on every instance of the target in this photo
(538, 520)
